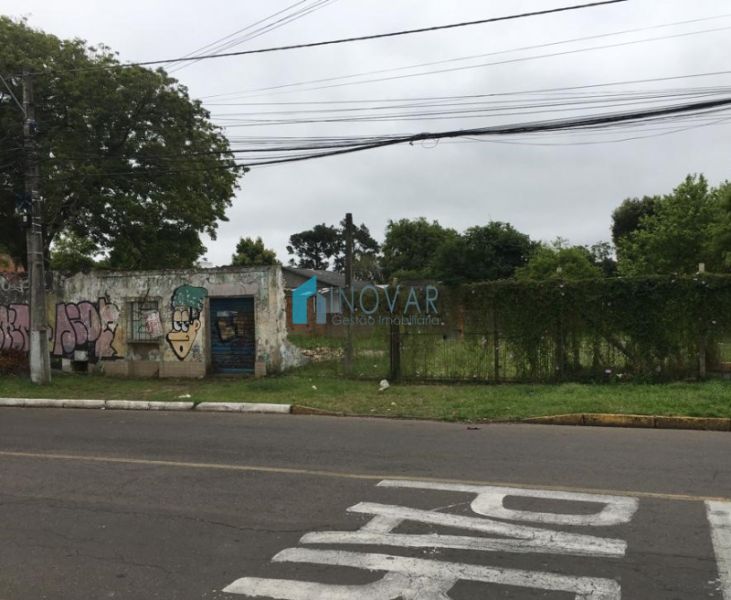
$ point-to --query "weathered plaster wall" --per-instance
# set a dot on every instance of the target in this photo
(90, 317)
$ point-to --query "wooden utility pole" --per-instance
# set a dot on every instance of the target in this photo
(40, 362)
(349, 290)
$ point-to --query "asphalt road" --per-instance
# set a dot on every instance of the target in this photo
(143, 505)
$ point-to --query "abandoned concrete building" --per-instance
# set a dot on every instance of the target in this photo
(173, 323)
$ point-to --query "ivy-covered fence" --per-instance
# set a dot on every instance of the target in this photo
(655, 328)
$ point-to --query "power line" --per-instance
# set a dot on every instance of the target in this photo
(601, 120)
(230, 35)
(354, 39)
(476, 96)
(347, 145)
(496, 63)
(252, 92)
(596, 142)
(225, 42)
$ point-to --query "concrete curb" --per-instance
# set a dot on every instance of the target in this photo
(644, 421)
(248, 407)
(298, 409)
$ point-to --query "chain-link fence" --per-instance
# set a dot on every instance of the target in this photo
(653, 329)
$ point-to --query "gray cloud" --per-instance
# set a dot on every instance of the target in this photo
(545, 191)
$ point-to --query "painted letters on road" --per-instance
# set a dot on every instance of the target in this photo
(420, 579)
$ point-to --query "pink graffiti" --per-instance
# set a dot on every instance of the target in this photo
(14, 327)
(86, 326)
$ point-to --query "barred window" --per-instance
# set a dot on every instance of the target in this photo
(144, 321)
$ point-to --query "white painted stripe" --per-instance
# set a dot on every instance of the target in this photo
(419, 579)
(560, 541)
(489, 502)
(719, 516)
(601, 548)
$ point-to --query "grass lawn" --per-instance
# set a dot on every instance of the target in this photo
(446, 402)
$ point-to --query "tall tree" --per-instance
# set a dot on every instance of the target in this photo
(323, 247)
(675, 237)
(366, 257)
(601, 255)
(482, 253)
(124, 152)
(72, 254)
(719, 244)
(315, 248)
(558, 261)
(411, 246)
(627, 216)
(250, 252)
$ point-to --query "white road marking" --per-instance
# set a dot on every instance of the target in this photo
(420, 579)
(719, 516)
(489, 502)
(457, 542)
(524, 538)
(411, 579)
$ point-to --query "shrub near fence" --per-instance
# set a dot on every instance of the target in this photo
(651, 328)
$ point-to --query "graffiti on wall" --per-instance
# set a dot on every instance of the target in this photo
(187, 305)
(14, 282)
(14, 327)
(86, 326)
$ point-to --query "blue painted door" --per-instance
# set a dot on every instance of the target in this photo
(233, 338)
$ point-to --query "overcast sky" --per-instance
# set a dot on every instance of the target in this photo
(546, 187)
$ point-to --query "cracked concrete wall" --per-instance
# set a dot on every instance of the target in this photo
(152, 323)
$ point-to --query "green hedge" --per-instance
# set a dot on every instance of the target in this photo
(652, 328)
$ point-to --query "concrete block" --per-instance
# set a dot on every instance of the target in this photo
(12, 401)
(249, 407)
(182, 369)
(144, 368)
(42, 403)
(570, 419)
(171, 405)
(83, 403)
(127, 405)
(116, 368)
(612, 420)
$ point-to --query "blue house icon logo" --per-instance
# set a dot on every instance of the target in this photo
(300, 299)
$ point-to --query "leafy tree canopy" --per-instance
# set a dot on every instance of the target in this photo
(558, 261)
(126, 156)
(627, 216)
(679, 233)
(720, 232)
(323, 247)
(314, 248)
(601, 255)
(411, 245)
(482, 253)
(72, 254)
(250, 252)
